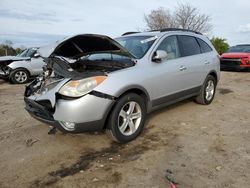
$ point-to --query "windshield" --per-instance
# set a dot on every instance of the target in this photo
(241, 48)
(137, 45)
(27, 53)
(106, 57)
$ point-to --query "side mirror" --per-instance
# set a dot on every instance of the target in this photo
(36, 55)
(159, 55)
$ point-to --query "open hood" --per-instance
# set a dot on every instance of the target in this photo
(84, 44)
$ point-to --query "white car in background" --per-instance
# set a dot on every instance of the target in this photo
(21, 68)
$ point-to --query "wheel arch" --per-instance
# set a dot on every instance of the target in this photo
(21, 68)
(130, 89)
(214, 74)
(134, 89)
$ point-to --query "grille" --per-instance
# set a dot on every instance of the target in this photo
(46, 104)
(38, 110)
(231, 62)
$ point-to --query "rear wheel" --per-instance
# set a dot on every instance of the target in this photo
(127, 119)
(207, 92)
(19, 76)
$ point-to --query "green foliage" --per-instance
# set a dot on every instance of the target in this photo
(220, 44)
(18, 50)
(7, 49)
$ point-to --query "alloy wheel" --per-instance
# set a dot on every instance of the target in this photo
(129, 118)
(21, 76)
(210, 90)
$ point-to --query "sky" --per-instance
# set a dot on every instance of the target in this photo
(40, 22)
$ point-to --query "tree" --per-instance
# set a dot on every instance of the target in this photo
(159, 19)
(185, 17)
(188, 17)
(220, 44)
(19, 50)
(7, 49)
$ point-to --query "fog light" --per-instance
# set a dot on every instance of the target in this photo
(67, 125)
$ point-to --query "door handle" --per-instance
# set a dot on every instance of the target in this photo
(182, 68)
(207, 62)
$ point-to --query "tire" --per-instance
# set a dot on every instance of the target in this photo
(19, 76)
(127, 118)
(205, 98)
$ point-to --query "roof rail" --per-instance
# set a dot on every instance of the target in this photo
(177, 29)
(129, 33)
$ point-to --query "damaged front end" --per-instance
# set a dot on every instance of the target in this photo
(64, 95)
(4, 70)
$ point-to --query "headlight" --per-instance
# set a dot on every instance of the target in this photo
(78, 88)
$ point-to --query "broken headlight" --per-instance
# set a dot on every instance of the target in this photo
(78, 88)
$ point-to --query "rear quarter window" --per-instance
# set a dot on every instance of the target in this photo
(188, 45)
(204, 46)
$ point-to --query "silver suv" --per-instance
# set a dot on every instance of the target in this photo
(92, 82)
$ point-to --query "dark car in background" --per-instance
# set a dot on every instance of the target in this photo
(236, 58)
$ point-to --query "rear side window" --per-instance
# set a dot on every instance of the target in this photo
(204, 46)
(188, 45)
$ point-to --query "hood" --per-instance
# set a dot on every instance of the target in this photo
(81, 45)
(13, 58)
(235, 55)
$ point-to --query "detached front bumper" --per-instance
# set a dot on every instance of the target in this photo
(4, 74)
(87, 113)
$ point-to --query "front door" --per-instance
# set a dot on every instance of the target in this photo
(167, 77)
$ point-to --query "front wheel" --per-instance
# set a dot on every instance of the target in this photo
(19, 76)
(127, 119)
(207, 92)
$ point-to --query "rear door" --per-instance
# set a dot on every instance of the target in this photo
(209, 56)
(192, 63)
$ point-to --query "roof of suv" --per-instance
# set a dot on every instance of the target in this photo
(161, 32)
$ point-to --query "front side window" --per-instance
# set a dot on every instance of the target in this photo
(137, 45)
(31, 52)
(170, 45)
(188, 45)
